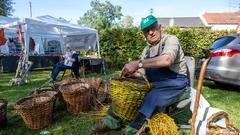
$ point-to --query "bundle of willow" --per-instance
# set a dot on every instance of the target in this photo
(162, 124)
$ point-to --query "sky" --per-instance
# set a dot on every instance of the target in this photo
(73, 9)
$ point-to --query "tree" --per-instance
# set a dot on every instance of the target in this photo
(101, 16)
(128, 21)
(6, 7)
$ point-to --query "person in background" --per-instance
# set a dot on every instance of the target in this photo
(164, 65)
(11, 46)
(31, 46)
(4, 49)
(70, 62)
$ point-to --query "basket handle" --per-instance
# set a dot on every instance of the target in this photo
(143, 76)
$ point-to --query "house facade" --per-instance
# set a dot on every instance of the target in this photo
(213, 20)
(221, 20)
(182, 22)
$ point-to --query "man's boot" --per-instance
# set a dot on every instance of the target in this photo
(100, 128)
(106, 124)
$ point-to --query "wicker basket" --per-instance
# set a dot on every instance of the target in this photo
(36, 110)
(103, 93)
(127, 95)
(76, 96)
(162, 124)
(215, 130)
(67, 81)
(3, 112)
(49, 91)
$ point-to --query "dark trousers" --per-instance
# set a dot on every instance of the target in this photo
(60, 67)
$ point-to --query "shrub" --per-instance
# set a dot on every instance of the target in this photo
(121, 45)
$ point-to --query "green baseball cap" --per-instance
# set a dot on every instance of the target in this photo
(147, 21)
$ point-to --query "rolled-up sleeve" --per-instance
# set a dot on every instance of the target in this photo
(171, 47)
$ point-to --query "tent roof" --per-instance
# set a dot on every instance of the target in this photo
(50, 25)
(82, 38)
(6, 22)
(47, 25)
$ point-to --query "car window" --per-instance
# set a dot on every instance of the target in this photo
(221, 42)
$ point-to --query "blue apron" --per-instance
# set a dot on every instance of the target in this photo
(167, 85)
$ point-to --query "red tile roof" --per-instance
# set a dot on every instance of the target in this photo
(222, 18)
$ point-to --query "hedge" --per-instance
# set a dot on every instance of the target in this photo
(121, 45)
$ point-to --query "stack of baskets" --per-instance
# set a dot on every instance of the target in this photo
(76, 95)
(36, 110)
(3, 112)
(127, 95)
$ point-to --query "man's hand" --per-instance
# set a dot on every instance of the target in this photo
(129, 68)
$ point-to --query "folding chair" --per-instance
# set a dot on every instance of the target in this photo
(66, 70)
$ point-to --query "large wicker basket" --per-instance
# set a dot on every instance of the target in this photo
(36, 110)
(50, 91)
(127, 95)
(76, 96)
(3, 112)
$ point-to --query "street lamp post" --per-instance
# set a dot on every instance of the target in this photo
(30, 7)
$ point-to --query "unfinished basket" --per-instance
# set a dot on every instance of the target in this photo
(76, 96)
(127, 95)
(162, 124)
(36, 110)
(3, 112)
(215, 130)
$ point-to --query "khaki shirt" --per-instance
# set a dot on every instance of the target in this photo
(168, 45)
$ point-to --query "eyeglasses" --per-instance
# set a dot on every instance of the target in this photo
(153, 27)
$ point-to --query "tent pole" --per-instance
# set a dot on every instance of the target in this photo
(98, 46)
(26, 44)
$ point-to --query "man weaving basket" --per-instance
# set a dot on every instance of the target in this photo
(164, 65)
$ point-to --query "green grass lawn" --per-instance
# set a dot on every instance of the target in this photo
(226, 98)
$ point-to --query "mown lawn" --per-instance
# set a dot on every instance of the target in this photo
(226, 98)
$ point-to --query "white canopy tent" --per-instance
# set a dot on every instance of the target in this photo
(79, 37)
(42, 27)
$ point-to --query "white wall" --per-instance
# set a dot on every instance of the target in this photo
(223, 27)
